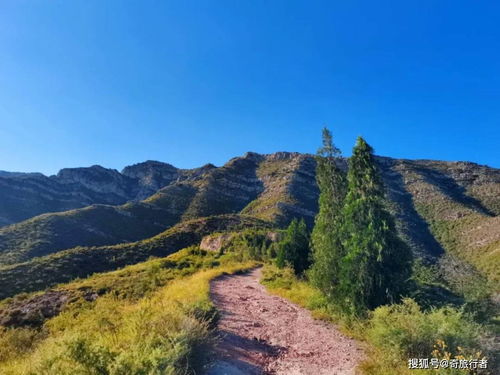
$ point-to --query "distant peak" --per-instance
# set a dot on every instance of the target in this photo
(98, 167)
(252, 155)
(92, 169)
(148, 165)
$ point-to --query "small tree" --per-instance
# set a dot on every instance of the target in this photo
(377, 263)
(326, 241)
(294, 249)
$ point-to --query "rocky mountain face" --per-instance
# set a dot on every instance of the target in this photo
(448, 208)
(151, 176)
(24, 195)
(288, 188)
(440, 207)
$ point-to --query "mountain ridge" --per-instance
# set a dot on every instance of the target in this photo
(25, 195)
(440, 207)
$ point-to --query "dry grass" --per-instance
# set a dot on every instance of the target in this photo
(168, 331)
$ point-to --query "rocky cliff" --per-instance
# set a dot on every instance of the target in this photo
(25, 195)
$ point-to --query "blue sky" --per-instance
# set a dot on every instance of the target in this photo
(87, 82)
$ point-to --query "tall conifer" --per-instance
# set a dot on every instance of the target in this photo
(326, 241)
(377, 263)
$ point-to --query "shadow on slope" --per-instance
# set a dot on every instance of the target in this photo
(67, 265)
(411, 225)
(93, 226)
(449, 187)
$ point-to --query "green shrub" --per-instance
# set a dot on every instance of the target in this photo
(93, 359)
(294, 249)
(405, 331)
(425, 274)
(250, 244)
(274, 278)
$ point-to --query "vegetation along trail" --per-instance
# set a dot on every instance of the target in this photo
(266, 334)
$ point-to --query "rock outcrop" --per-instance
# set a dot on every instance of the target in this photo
(215, 242)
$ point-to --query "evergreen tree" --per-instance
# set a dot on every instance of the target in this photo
(294, 249)
(326, 241)
(377, 263)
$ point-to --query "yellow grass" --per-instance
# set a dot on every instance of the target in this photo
(166, 332)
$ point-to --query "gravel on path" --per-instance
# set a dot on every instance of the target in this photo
(265, 334)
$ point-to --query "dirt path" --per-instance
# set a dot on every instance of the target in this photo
(266, 334)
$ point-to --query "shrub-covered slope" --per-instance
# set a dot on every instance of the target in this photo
(67, 265)
(92, 226)
(207, 191)
(449, 207)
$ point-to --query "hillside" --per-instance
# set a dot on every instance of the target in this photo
(448, 208)
(289, 188)
(92, 226)
(442, 208)
(67, 265)
(141, 311)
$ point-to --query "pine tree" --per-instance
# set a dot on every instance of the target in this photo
(326, 241)
(294, 249)
(377, 263)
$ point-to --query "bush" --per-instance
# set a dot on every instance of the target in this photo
(404, 331)
(250, 244)
(93, 359)
(17, 341)
(294, 250)
(274, 278)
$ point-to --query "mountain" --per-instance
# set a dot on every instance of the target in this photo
(444, 210)
(204, 192)
(25, 195)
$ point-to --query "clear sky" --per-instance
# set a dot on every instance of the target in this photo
(116, 82)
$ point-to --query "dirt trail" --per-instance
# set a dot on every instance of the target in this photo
(266, 334)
